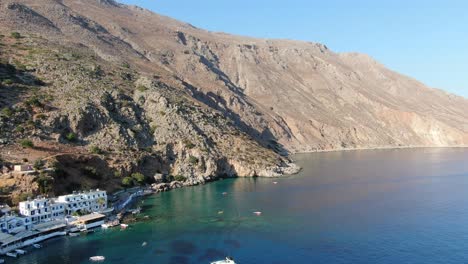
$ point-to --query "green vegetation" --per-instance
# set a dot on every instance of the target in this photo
(127, 181)
(45, 183)
(91, 172)
(38, 165)
(15, 35)
(8, 82)
(180, 178)
(41, 116)
(139, 178)
(34, 101)
(7, 112)
(26, 143)
(142, 88)
(96, 150)
(188, 144)
(193, 160)
(71, 137)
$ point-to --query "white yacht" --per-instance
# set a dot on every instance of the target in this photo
(228, 260)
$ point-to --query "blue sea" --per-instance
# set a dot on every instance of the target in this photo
(366, 206)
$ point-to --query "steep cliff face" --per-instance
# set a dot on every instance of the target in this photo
(288, 95)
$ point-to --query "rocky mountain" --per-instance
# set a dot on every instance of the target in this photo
(161, 96)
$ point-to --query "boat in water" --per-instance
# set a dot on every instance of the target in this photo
(123, 226)
(20, 251)
(11, 254)
(97, 258)
(2, 261)
(228, 260)
(37, 245)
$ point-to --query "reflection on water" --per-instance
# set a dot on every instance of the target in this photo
(382, 206)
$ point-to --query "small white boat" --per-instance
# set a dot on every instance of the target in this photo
(228, 260)
(37, 246)
(275, 182)
(20, 251)
(123, 226)
(97, 258)
(225, 193)
(2, 261)
(11, 254)
(144, 244)
(257, 213)
(74, 234)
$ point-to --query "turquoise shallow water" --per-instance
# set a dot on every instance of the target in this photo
(381, 206)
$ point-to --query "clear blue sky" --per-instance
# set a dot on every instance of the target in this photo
(427, 40)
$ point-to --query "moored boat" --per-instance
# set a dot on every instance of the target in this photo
(11, 254)
(228, 260)
(97, 258)
(20, 251)
(37, 246)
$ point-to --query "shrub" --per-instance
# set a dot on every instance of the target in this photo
(96, 150)
(138, 177)
(142, 88)
(127, 181)
(91, 172)
(26, 143)
(71, 137)
(189, 144)
(7, 112)
(15, 35)
(41, 116)
(33, 101)
(44, 183)
(38, 164)
(193, 160)
(8, 81)
(19, 129)
(180, 178)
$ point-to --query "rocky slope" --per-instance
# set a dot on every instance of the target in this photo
(149, 93)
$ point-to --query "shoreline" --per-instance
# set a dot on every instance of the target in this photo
(377, 148)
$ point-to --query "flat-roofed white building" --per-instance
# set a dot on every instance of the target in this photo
(91, 201)
(42, 209)
(10, 223)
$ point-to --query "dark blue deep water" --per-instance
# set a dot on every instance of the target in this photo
(380, 206)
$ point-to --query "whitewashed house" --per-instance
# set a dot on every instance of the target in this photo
(42, 209)
(92, 201)
(10, 223)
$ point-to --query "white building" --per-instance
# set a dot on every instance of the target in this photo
(42, 209)
(10, 223)
(85, 202)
